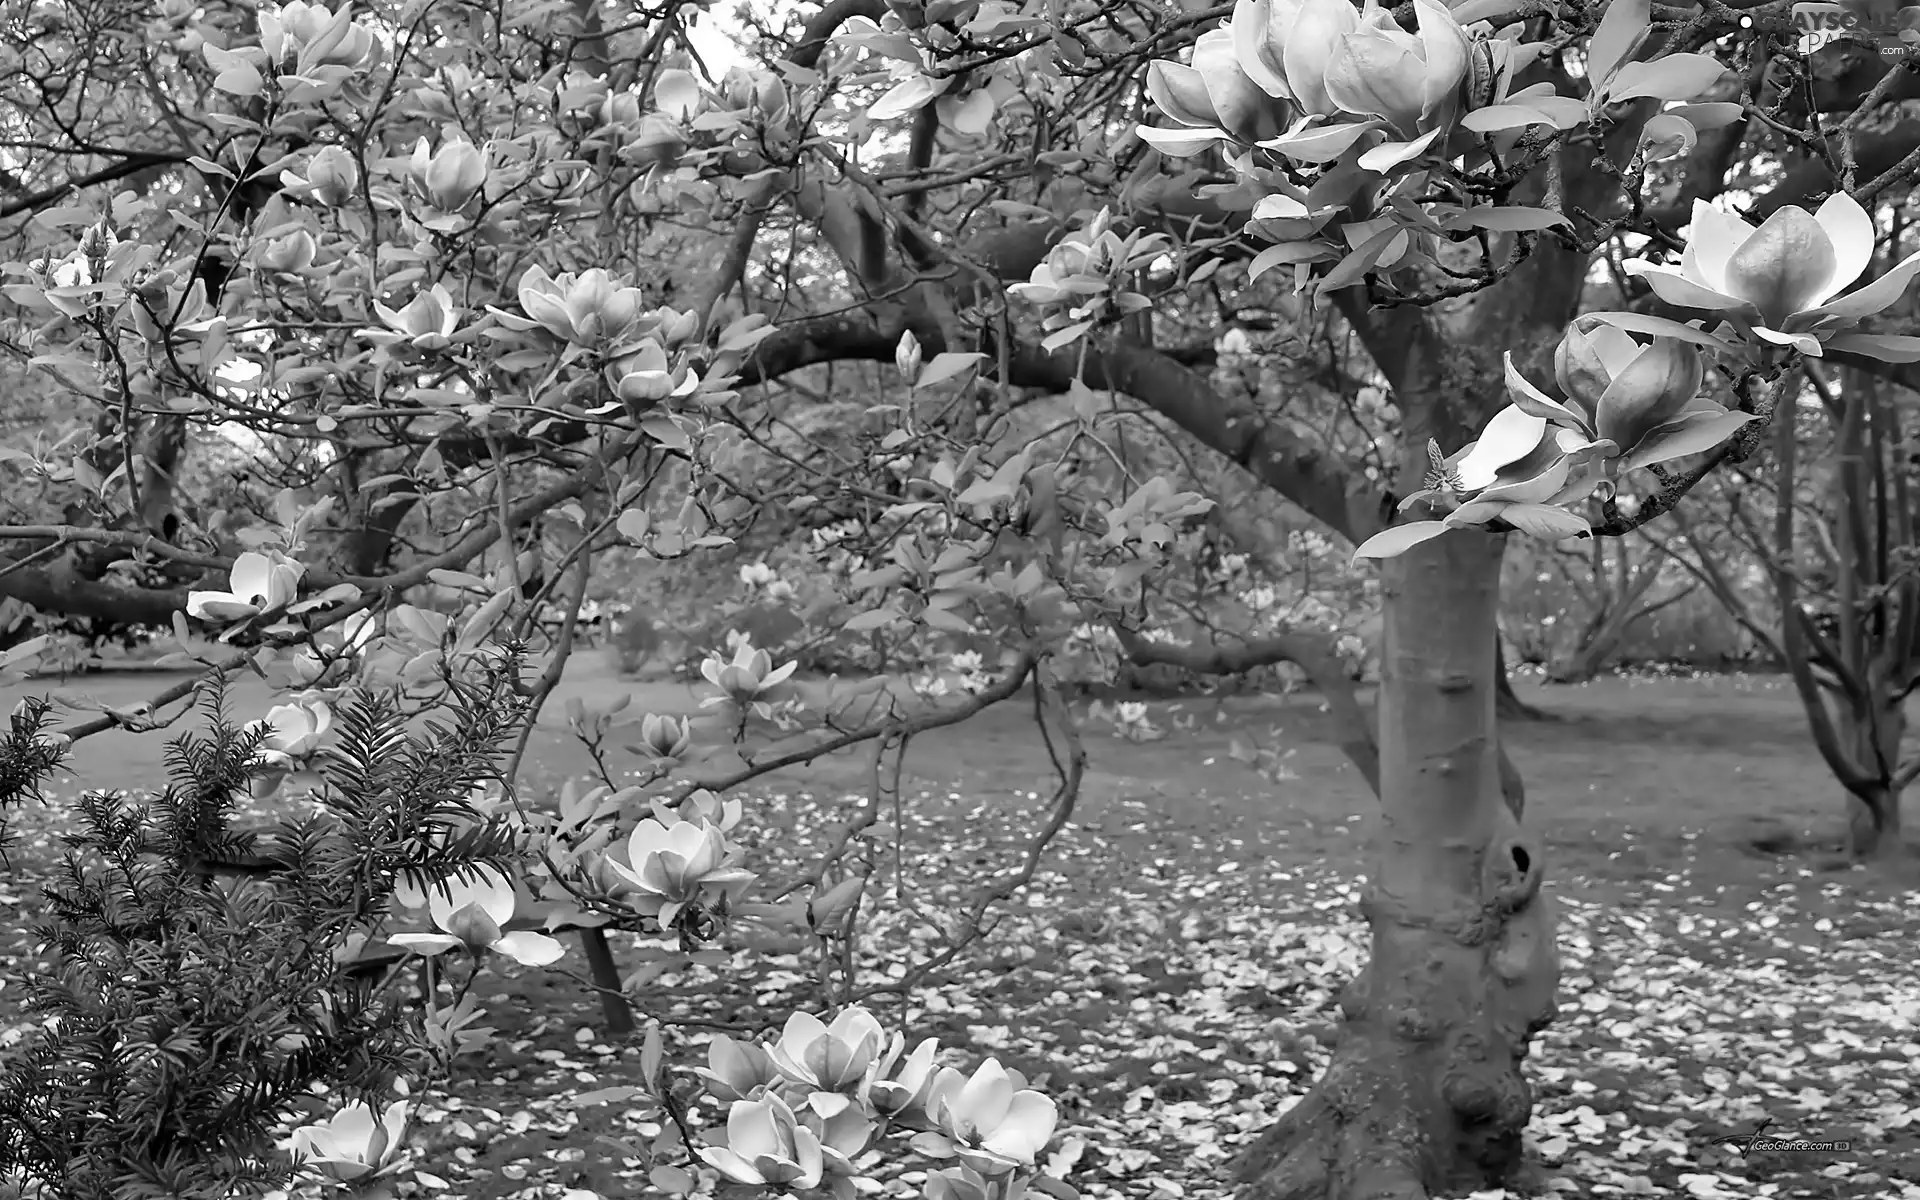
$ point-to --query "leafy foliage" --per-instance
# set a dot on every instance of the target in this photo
(187, 1011)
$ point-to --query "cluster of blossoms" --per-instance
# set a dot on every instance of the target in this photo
(807, 1110)
(1082, 281)
(1632, 404)
(592, 312)
(1318, 81)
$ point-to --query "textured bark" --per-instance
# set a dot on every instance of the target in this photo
(1507, 703)
(1873, 825)
(1873, 806)
(1424, 1095)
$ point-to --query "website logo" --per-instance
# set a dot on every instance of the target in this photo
(1887, 28)
(1756, 1142)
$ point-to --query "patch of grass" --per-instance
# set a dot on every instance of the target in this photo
(1172, 973)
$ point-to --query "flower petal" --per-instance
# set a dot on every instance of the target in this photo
(1691, 434)
(531, 949)
(1310, 141)
(1873, 298)
(1180, 143)
(1714, 236)
(1181, 93)
(1382, 159)
(1850, 230)
(1534, 402)
(1784, 267)
(1510, 436)
(1258, 50)
(1675, 286)
(1805, 343)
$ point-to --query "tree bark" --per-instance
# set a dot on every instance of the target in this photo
(1424, 1095)
(1873, 809)
(1507, 703)
(1873, 825)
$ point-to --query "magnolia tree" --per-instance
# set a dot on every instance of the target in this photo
(420, 262)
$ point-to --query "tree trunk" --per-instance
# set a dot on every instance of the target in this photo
(1424, 1094)
(1873, 825)
(1873, 810)
(1509, 706)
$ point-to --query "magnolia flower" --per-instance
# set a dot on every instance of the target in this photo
(743, 88)
(331, 178)
(1212, 99)
(1286, 46)
(678, 864)
(426, 323)
(293, 731)
(291, 254)
(891, 1091)
(701, 805)
(259, 582)
(451, 176)
(352, 1143)
(351, 635)
(766, 1145)
(958, 1183)
(757, 574)
(1638, 405)
(665, 737)
(1627, 406)
(737, 1070)
(592, 309)
(843, 1134)
(620, 109)
(1410, 81)
(472, 914)
(1782, 281)
(748, 674)
(993, 1121)
(644, 377)
(829, 1058)
(302, 39)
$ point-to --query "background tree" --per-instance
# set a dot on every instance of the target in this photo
(439, 272)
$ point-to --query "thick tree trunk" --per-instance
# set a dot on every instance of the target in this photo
(1424, 1094)
(1873, 825)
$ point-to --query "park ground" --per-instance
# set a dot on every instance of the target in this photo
(1170, 976)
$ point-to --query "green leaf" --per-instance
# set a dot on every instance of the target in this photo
(1391, 543)
(1660, 327)
(1354, 267)
(1691, 434)
(1887, 347)
(1544, 521)
(876, 619)
(1507, 220)
(1286, 254)
(1673, 77)
(1061, 337)
(946, 366)
(1620, 33)
(1499, 118)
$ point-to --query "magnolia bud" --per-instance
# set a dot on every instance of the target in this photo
(454, 176)
(1579, 368)
(681, 328)
(332, 176)
(906, 357)
(293, 253)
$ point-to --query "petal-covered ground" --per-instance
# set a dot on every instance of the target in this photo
(1170, 975)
